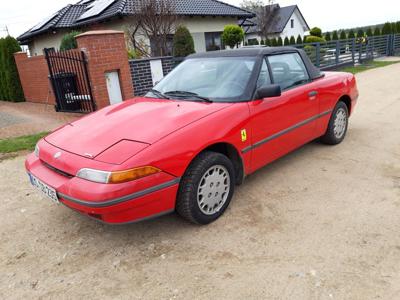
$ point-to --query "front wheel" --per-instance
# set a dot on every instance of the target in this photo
(338, 125)
(206, 189)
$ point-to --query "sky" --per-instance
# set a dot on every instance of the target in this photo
(20, 15)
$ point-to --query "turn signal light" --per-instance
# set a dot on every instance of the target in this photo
(133, 174)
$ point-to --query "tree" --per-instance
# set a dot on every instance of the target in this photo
(183, 42)
(267, 42)
(10, 85)
(369, 32)
(335, 36)
(299, 40)
(266, 16)
(316, 32)
(351, 34)
(343, 35)
(262, 42)
(280, 42)
(315, 39)
(251, 4)
(232, 35)
(274, 42)
(387, 28)
(398, 27)
(377, 31)
(154, 20)
(393, 27)
(286, 41)
(328, 36)
(68, 41)
(360, 33)
(292, 40)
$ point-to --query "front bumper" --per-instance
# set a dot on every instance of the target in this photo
(111, 203)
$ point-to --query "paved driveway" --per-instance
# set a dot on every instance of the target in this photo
(321, 223)
(24, 118)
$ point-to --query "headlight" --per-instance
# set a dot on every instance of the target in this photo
(37, 150)
(116, 177)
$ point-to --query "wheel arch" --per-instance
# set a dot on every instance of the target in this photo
(346, 100)
(232, 153)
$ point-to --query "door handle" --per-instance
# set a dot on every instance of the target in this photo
(312, 94)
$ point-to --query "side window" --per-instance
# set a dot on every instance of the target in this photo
(263, 78)
(288, 70)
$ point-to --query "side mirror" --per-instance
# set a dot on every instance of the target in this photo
(269, 91)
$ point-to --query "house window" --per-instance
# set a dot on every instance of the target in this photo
(213, 41)
(292, 23)
(155, 49)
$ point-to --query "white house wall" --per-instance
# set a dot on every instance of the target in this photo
(196, 25)
(299, 26)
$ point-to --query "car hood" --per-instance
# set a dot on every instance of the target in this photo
(143, 120)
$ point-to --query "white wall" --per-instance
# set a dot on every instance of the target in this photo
(299, 26)
(196, 25)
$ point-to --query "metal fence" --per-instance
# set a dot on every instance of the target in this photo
(334, 54)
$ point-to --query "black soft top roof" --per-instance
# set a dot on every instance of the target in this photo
(313, 71)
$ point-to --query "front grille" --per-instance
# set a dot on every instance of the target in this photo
(58, 171)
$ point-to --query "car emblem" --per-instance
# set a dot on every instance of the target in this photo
(57, 155)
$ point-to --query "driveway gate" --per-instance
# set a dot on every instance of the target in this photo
(70, 81)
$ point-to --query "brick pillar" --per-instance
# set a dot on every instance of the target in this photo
(106, 52)
(33, 74)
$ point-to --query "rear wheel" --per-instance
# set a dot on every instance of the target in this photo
(206, 189)
(338, 125)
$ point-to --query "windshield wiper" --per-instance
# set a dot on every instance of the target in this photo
(158, 94)
(188, 94)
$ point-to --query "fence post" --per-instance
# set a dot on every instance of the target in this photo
(337, 52)
(318, 55)
(353, 50)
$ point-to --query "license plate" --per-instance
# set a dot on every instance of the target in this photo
(48, 191)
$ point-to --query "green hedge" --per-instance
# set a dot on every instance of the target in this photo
(10, 85)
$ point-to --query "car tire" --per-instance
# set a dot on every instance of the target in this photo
(206, 188)
(338, 124)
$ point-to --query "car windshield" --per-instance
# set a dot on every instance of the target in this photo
(222, 79)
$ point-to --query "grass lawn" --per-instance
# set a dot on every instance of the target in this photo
(27, 142)
(368, 66)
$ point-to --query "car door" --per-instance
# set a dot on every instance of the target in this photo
(280, 125)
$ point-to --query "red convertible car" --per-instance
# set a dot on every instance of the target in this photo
(216, 118)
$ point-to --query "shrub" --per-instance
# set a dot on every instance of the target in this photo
(10, 85)
(387, 28)
(398, 27)
(268, 42)
(279, 42)
(292, 40)
(232, 35)
(68, 41)
(335, 36)
(360, 33)
(286, 41)
(262, 42)
(315, 39)
(134, 54)
(351, 34)
(316, 32)
(274, 42)
(328, 36)
(299, 40)
(183, 42)
(343, 35)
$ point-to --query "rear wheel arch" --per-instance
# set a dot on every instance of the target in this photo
(346, 100)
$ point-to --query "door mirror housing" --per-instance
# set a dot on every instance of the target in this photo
(269, 91)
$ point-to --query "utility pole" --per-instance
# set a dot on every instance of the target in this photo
(8, 33)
